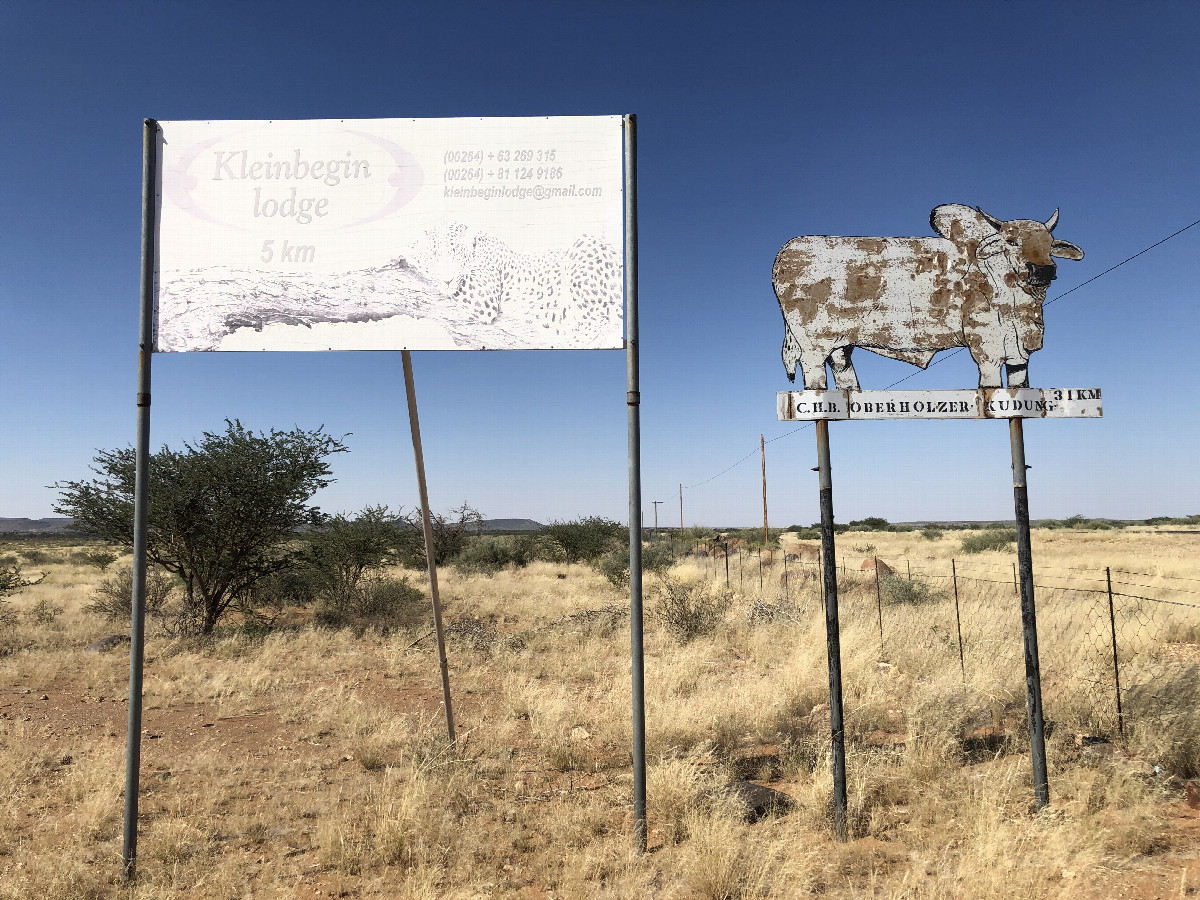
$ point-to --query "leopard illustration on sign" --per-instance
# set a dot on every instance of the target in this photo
(981, 285)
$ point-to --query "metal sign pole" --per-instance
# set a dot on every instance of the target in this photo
(832, 631)
(414, 425)
(1033, 674)
(633, 405)
(137, 628)
(762, 449)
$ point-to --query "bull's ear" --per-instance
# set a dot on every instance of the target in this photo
(1064, 250)
(991, 220)
(959, 223)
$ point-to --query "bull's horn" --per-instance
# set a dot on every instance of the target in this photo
(992, 220)
(1052, 221)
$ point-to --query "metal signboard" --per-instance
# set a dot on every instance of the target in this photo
(980, 285)
(984, 403)
(375, 234)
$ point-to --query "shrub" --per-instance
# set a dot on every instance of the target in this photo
(450, 535)
(932, 534)
(44, 612)
(914, 592)
(101, 559)
(374, 603)
(614, 565)
(13, 580)
(113, 599)
(871, 523)
(811, 533)
(587, 539)
(340, 551)
(1000, 539)
(688, 609)
(292, 587)
(488, 554)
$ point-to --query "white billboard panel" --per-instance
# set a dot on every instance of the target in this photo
(384, 234)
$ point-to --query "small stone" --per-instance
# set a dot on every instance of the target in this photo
(44, 697)
(579, 733)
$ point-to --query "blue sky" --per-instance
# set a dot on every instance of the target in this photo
(755, 124)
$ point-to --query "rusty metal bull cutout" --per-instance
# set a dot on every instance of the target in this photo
(980, 285)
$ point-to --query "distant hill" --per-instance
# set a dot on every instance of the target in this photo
(34, 526)
(501, 526)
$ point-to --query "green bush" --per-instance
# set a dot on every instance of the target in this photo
(451, 533)
(614, 565)
(300, 586)
(811, 533)
(871, 523)
(1000, 539)
(101, 559)
(587, 539)
(688, 609)
(489, 554)
(932, 534)
(908, 592)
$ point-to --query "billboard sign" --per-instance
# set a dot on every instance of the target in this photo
(980, 284)
(385, 234)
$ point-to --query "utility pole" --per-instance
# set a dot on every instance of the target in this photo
(681, 509)
(762, 448)
(656, 503)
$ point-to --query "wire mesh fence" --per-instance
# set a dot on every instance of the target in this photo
(1118, 649)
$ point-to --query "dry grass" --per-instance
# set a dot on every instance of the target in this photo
(312, 763)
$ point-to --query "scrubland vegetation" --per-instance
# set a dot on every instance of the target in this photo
(298, 750)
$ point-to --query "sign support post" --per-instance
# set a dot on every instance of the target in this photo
(762, 449)
(414, 425)
(1014, 404)
(1033, 673)
(832, 631)
(137, 627)
(633, 405)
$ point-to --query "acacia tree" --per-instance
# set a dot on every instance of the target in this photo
(220, 512)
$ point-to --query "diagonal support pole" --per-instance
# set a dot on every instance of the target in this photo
(414, 425)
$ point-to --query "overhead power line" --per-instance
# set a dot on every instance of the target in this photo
(954, 353)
